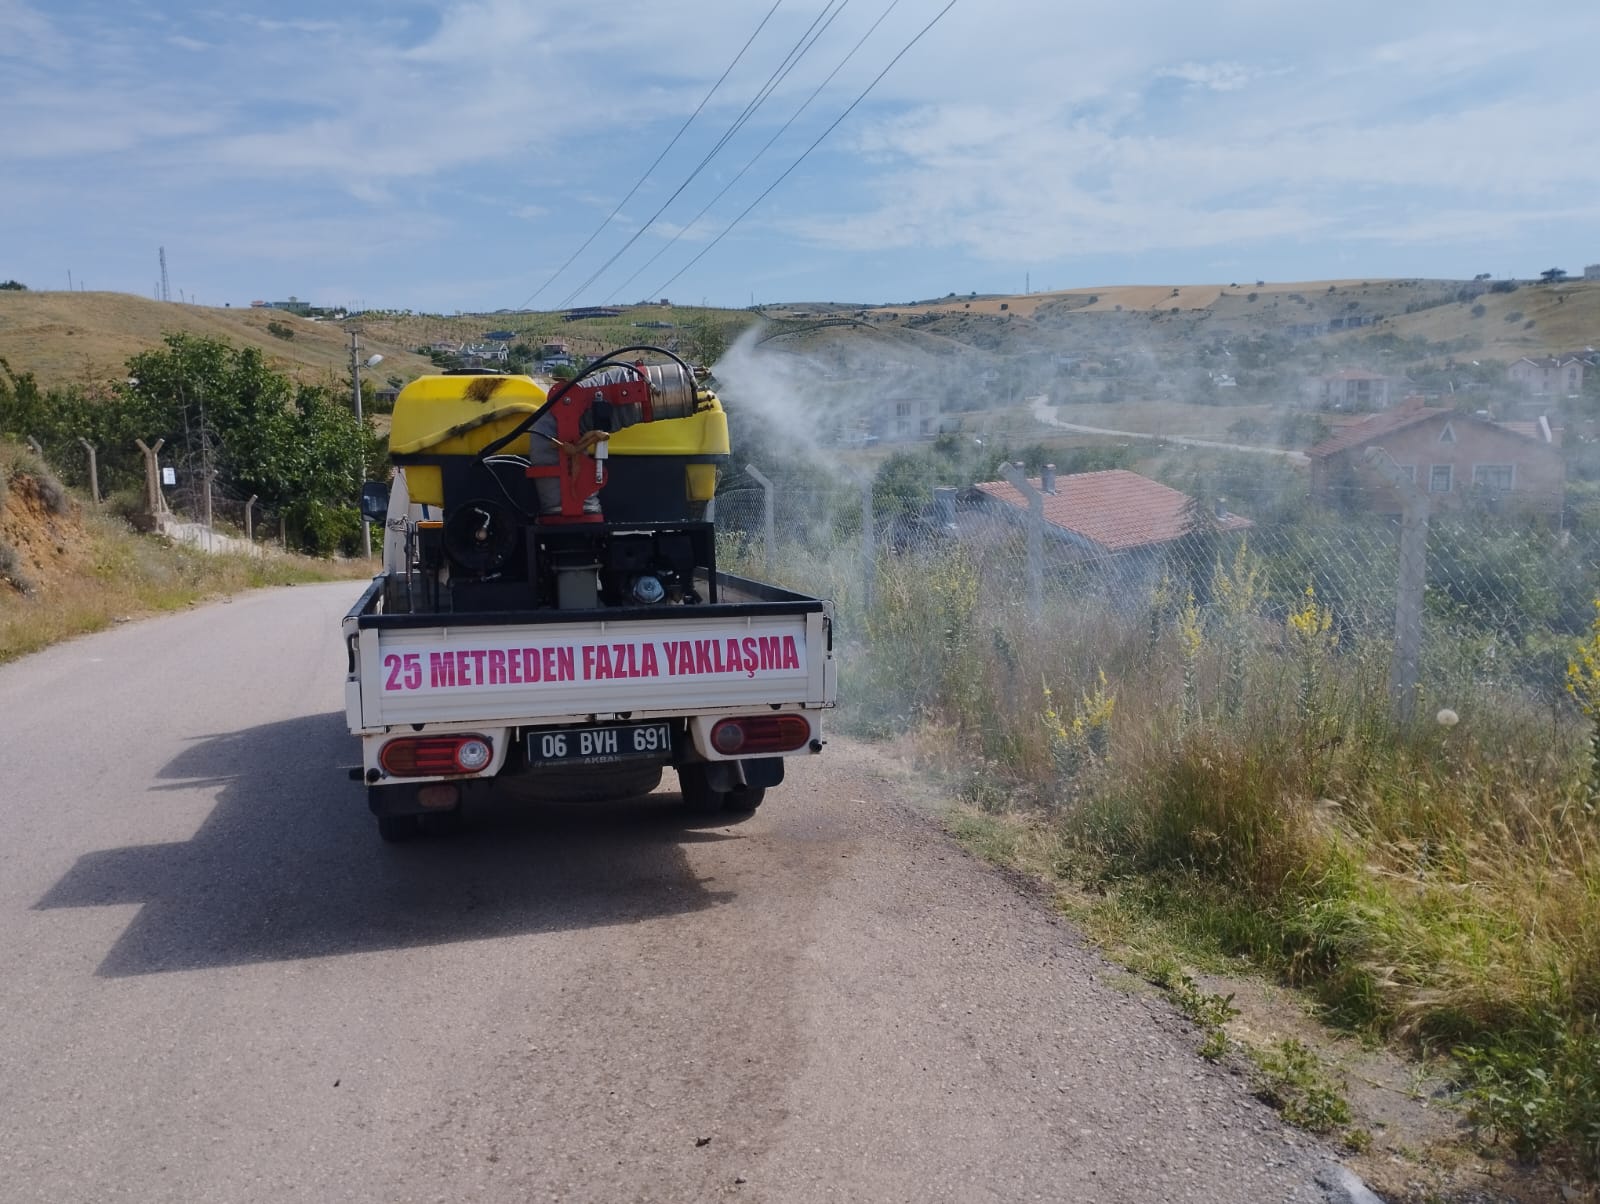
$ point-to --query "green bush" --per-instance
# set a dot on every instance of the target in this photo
(322, 530)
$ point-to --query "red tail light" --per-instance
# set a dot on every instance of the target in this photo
(752, 735)
(430, 756)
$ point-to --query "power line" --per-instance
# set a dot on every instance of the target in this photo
(706, 99)
(797, 52)
(671, 242)
(804, 154)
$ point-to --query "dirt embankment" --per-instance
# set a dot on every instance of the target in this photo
(42, 536)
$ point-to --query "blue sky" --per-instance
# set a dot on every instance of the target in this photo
(451, 156)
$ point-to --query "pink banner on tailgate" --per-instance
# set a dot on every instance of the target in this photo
(556, 662)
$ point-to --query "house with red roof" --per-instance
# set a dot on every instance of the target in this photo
(1455, 457)
(1104, 513)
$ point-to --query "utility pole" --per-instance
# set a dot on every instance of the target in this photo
(355, 385)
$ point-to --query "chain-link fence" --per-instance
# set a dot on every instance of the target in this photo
(1487, 605)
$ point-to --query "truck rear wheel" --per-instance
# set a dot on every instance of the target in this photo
(398, 828)
(745, 798)
(699, 795)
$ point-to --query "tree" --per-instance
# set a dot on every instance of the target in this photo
(1553, 275)
(298, 448)
(15, 286)
(704, 339)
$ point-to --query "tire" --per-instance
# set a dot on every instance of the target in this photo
(398, 828)
(699, 796)
(443, 823)
(745, 799)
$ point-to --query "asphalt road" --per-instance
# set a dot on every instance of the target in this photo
(216, 984)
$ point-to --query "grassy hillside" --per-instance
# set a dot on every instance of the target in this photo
(86, 338)
(1533, 320)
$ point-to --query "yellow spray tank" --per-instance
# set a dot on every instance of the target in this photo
(658, 471)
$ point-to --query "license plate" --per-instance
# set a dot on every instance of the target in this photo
(601, 745)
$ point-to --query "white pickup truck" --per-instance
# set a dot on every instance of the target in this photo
(580, 653)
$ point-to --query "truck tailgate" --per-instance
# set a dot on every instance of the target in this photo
(515, 669)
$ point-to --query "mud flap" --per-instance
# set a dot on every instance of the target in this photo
(763, 771)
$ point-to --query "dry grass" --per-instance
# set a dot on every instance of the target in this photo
(1565, 317)
(66, 571)
(1128, 296)
(86, 338)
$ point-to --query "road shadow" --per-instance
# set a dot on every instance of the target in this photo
(288, 864)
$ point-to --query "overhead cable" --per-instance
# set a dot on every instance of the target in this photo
(704, 100)
(806, 153)
(797, 52)
(682, 230)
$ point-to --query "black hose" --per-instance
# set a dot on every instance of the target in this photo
(609, 359)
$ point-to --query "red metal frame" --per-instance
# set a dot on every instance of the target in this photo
(580, 475)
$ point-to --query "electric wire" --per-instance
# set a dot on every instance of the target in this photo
(637, 184)
(806, 153)
(797, 52)
(671, 242)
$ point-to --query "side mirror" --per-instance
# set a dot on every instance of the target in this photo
(375, 501)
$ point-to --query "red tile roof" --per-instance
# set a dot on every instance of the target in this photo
(1368, 429)
(1115, 509)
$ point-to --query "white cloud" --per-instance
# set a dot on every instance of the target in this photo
(1219, 77)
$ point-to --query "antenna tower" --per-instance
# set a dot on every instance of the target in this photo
(166, 292)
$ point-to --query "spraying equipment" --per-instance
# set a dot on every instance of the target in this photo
(550, 607)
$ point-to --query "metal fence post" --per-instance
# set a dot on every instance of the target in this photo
(1013, 474)
(769, 530)
(94, 470)
(152, 477)
(249, 519)
(869, 550)
(1405, 672)
(1405, 668)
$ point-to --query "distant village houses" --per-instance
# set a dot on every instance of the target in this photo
(1552, 375)
(1454, 457)
(896, 420)
(1354, 389)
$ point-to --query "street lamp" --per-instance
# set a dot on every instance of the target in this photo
(372, 361)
